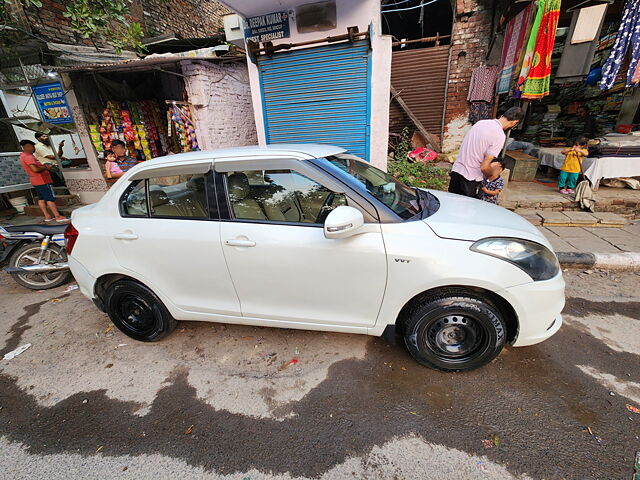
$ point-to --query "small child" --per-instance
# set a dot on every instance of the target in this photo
(111, 167)
(572, 165)
(493, 185)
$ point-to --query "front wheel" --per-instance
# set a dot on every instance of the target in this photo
(137, 311)
(454, 333)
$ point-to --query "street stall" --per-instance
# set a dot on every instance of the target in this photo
(571, 67)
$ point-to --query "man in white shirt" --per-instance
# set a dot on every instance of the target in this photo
(45, 155)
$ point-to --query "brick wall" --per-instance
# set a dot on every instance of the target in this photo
(221, 103)
(188, 18)
(470, 42)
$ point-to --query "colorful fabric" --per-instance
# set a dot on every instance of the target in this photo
(528, 53)
(628, 37)
(480, 111)
(538, 81)
(483, 84)
(515, 35)
(495, 184)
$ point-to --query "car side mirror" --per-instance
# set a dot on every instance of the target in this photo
(343, 222)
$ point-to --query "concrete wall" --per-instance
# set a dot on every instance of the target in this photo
(221, 104)
(360, 13)
(469, 47)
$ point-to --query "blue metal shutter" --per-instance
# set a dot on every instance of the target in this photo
(318, 95)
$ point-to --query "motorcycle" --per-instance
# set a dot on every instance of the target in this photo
(35, 255)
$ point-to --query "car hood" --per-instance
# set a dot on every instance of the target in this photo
(464, 218)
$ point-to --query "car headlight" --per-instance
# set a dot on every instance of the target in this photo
(536, 260)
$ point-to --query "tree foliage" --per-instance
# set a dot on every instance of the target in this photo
(101, 21)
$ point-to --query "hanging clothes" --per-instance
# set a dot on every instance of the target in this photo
(538, 81)
(528, 54)
(480, 111)
(628, 37)
(483, 83)
(577, 57)
(636, 76)
(515, 35)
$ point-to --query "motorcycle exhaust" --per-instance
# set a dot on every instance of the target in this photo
(40, 268)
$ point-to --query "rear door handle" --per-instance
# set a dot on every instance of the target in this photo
(240, 243)
(125, 236)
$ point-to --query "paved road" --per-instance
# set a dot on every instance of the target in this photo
(217, 401)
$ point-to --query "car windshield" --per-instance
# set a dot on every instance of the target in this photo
(402, 199)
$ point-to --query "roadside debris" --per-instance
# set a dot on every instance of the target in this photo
(487, 443)
(285, 365)
(57, 300)
(107, 329)
(14, 353)
(633, 409)
(99, 448)
(481, 465)
(494, 441)
(189, 430)
(71, 288)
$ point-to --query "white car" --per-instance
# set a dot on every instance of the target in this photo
(310, 237)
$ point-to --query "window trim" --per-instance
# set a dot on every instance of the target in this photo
(210, 214)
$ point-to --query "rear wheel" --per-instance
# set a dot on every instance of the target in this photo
(137, 311)
(454, 333)
(28, 254)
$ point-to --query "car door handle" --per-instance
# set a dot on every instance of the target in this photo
(240, 243)
(125, 236)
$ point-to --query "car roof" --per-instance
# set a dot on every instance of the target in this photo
(300, 151)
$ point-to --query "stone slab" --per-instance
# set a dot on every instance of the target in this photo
(608, 218)
(581, 218)
(558, 244)
(554, 219)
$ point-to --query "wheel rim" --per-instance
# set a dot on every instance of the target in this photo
(455, 337)
(30, 257)
(135, 313)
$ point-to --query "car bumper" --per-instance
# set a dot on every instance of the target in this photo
(85, 281)
(538, 306)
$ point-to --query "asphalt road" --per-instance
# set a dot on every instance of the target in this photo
(221, 401)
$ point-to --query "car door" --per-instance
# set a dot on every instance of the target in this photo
(166, 238)
(283, 268)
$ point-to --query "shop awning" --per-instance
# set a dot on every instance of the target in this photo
(156, 61)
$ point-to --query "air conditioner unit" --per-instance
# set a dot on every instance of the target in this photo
(234, 29)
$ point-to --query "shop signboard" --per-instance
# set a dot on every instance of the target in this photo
(266, 28)
(52, 103)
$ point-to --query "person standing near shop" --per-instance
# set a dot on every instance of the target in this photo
(41, 181)
(125, 162)
(44, 154)
(480, 146)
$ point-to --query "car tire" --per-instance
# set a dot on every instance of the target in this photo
(137, 311)
(456, 332)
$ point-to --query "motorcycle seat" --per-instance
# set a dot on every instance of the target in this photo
(42, 229)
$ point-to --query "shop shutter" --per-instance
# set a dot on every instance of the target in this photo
(318, 95)
(420, 78)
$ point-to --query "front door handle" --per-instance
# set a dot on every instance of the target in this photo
(240, 243)
(125, 236)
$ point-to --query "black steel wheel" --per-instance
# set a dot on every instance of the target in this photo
(137, 311)
(454, 333)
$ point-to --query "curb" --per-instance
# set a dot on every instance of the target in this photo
(609, 261)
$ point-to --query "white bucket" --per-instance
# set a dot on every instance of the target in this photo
(19, 203)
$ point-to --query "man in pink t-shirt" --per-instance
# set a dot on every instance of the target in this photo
(480, 146)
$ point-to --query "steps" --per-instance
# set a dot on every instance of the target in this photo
(65, 202)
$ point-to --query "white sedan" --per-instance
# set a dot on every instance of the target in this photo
(310, 237)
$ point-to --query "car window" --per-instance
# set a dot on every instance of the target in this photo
(134, 201)
(178, 196)
(280, 196)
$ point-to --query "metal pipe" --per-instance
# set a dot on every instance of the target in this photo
(421, 40)
(269, 48)
(39, 268)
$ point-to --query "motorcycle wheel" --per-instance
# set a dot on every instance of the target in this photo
(27, 254)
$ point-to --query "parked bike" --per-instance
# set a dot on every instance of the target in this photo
(35, 255)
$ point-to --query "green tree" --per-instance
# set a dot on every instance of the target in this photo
(101, 21)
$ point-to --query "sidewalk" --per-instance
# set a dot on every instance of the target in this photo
(581, 238)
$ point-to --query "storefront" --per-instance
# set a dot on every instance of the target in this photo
(560, 75)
